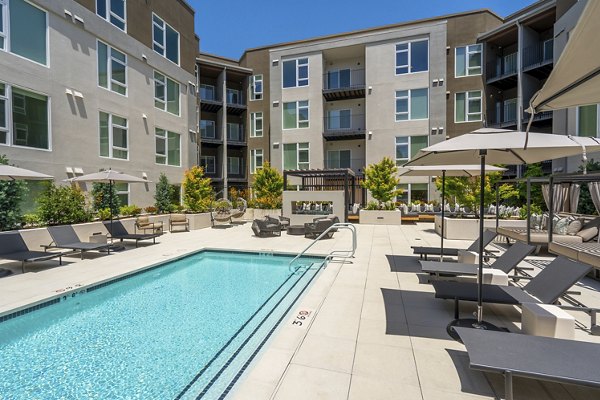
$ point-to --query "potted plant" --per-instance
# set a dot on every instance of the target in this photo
(381, 181)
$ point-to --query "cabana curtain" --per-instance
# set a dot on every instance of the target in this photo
(560, 193)
(574, 191)
(594, 188)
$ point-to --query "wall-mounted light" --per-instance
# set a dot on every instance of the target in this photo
(144, 116)
(77, 18)
(370, 133)
(370, 89)
(144, 175)
(78, 171)
(69, 92)
(77, 94)
(144, 57)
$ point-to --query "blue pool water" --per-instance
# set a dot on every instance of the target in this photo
(183, 330)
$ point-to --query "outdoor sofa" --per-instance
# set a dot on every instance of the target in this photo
(65, 237)
(118, 231)
(582, 230)
(319, 226)
(14, 248)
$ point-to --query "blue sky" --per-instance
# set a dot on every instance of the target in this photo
(228, 27)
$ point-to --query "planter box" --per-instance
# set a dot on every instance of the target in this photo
(380, 217)
(468, 228)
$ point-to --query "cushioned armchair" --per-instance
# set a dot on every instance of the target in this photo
(142, 223)
(267, 226)
(179, 220)
(320, 225)
(284, 221)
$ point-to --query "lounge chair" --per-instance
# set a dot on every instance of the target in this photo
(505, 263)
(118, 231)
(284, 221)
(549, 359)
(266, 226)
(142, 223)
(64, 237)
(320, 225)
(179, 220)
(13, 248)
(423, 252)
(546, 287)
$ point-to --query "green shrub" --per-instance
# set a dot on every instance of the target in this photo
(268, 188)
(11, 195)
(60, 205)
(163, 195)
(130, 211)
(32, 220)
(103, 214)
(198, 193)
(375, 205)
(101, 195)
(381, 181)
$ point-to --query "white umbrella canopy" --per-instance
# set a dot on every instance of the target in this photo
(108, 176)
(449, 170)
(575, 79)
(11, 173)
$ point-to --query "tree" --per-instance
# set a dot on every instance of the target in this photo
(198, 193)
(381, 181)
(101, 194)
(465, 190)
(60, 205)
(268, 187)
(11, 195)
(163, 195)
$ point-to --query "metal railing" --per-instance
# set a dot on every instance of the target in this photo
(538, 54)
(209, 132)
(341, 79)
(333, 253)
(354, 164)
(502, 66)
(235, 132)
(345, 121)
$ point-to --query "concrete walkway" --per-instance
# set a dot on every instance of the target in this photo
(371, 331)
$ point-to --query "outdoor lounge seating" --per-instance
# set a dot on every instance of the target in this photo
(508, 261)
(320, 225)
(64, 237)
(423, 252)
(284, 221)
(535, 357)
(266, 227)
(587, 231)
(588, 253)
(546, 287)
(142, 223)
(118, 231)
(179, 221)
(14, 248)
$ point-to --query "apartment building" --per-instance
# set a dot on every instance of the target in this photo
(348, 100)
(88, 85)
(224, 121)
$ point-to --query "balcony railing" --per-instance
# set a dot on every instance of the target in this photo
(235, 133)
(344, 122)
(344, 79)
(541, 53)
(239, 172)
(236, 99)
(502, 67)
(211, 169)
(209, 132)
(355, 164)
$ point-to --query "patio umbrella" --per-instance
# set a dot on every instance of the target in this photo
(498, 146)
(109, 176)
(10, 173)
(446, 170)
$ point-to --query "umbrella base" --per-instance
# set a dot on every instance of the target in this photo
(5, 272)
(470, 323)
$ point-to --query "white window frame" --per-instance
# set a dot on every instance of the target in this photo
(6, 33)
(111, 146)
(166, 88)
(238, 132)
(205, 158)
(298, 149)
(109, 60)
(109, 14)
(127, 192)
(298, 79)
(7, 113)
(166, 140)
(467, 99)
(254, 155)
(214, 130)
(409, 144)
(468, 52)
(298, 121)
(254, 94)
(254, 117)
(234, 92)
(577, 109)
(163, 27)
(408, 98)
(409, 191)
(409, 57)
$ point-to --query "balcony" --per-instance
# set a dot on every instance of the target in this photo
(236, 104)
(355, 164)
(344, 126)
(502, 72)
(344, 84)
(236, 135)
(212, 167)
(209, 134)
(209, 101)
(543, 118)
(236, 169)
(506, 116)
(538, 60)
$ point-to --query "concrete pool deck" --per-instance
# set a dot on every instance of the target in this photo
(364, 330)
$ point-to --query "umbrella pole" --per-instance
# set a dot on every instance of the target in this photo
(443, 206)
(110, 200)
(482, 153)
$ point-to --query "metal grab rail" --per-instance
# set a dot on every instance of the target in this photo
(333, 253)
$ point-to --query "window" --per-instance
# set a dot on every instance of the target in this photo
(339, 159)
(122, 189)
(339, 119)
(234, 96)
(295, 115)
(413, 192)
(412, 104)
(467, 106)
(295, 156)
(113, 11)
(112, 69)
(27, 113)
(23, 30)
(168, 147)
(467, 60)
(295, 73)
(256, 160)
(338, 79)
(207, 92)
(209, 164)
(113, 136)
(256, 124)
(207, 129)
(233, 165)
(166, 93)
(165, 39)
(587, 120)
(256, 87)
(412, 57)
(3, 114)
(235, 132)
(408, 146)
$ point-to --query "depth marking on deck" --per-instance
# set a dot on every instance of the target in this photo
(302, 318)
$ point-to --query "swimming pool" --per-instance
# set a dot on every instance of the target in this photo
(186, 329)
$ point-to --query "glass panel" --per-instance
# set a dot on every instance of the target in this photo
(289, 74)
(345, 158)
(172, 97)
(102, 65)
(345, 119)
(588, 121)
(290, 157)
(333, 159)
(289, 116)
(333, 79)
(172, 45)
(303, 114)
(28, 31)
(118, 71)
(417, 143)
(419, 56)
(402, 148)
(419, 104)
(161, 149)
(402, 62)
(104, 135)
(460, 61)
(158, 38)
(174, 149)
(475, 60)
(30, 119)
(460, 107)
(404, 196)
(118, 7)
(101, 8)
(345, 78)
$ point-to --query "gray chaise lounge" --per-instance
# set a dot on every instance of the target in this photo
(118, 231)
(64, 237)
(13, 247)
(423, 252)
